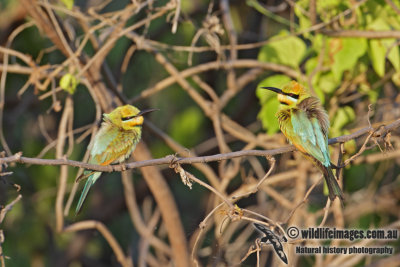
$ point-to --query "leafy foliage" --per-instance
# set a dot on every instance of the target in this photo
(332, 62)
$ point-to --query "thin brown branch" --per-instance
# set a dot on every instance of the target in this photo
(134, 212)
(326, 212)
(176, 15)
(313, 12)
(393, 5)
(180, 170)
(240, 63)
(166, 203)
(304, 199)
(85, 225)
(16, 68)
(62, 130)
(3, 212)
(362, 34)
(190, 160)
(232, 87)
(8, 207)
(181, 150)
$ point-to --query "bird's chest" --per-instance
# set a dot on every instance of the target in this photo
(124, 143)
(114, 146)
(285, 118)
(285, 123)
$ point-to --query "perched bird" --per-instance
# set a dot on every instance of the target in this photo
(114, 142)
(305, 124)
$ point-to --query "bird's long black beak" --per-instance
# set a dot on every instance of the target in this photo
(146, 111)
(274, 89)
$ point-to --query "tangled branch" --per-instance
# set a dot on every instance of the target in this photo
(379, 132)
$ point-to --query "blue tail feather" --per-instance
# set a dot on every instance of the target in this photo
(90, 181)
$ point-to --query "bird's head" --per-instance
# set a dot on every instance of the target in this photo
(290, 94)
(127, 117)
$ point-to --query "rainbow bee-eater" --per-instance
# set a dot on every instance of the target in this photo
(115, 141)
(305, 123)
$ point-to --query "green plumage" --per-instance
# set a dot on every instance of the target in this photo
(306, 125)
(113, 143)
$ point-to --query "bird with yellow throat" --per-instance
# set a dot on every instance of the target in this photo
(305, 124)
(115, 141)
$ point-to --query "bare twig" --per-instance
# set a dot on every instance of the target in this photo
(240, 63)
(3, 212)
(381, 132)
(8, 207)
(190, 176)
(167, 206)
(85, 225)
(393, 5)
(363, 34)
(304, 199)
(67, 114)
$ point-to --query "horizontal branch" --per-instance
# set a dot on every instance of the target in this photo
(379, 132)
(15, 68)
(363, 34)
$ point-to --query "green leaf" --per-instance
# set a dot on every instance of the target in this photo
(396, 78)
(283, 49)
(393, 55)
(268, 54)
(311, 64)
(318, 41)
(346, 53)
(304, 19)
(350, 146)
(267, 115)
(328, 82)
(377, 53)
(322, 82)
(379, 48)
(68, 3)
(343, 116)
(69, 82)
(372, 94)
(269, 102)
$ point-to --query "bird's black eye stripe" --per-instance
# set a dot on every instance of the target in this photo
(127, 118)
(293, 95)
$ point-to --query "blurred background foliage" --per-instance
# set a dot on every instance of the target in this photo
(346, 73)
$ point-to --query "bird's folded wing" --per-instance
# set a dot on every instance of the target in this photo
(112, 146)
(307, 134)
